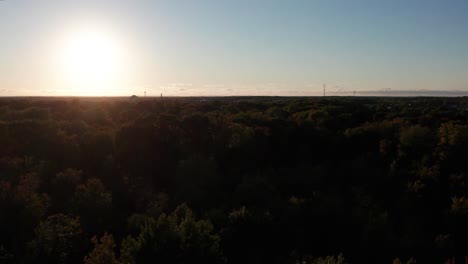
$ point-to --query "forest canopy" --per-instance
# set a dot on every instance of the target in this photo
(233, 180)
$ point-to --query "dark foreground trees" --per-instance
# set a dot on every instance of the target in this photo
(233, 180)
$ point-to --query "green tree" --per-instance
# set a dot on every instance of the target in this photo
(174, 238)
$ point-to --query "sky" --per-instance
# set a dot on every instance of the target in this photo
(225, 47)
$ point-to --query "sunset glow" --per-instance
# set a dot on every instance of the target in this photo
(90, 63)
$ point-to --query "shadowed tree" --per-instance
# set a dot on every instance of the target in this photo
(59, 239)
(93, 203)
(103, 252)
(63, 187)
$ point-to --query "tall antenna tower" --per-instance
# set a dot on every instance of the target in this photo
(323, 89)
(145, 93)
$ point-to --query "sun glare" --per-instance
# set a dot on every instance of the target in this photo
(91, 63)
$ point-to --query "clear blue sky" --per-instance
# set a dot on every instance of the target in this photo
(272, 47)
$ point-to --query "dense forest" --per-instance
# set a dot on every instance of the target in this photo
(233, 180)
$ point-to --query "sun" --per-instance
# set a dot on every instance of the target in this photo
(91, 63)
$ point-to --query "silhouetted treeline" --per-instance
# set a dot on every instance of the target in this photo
(233, 180)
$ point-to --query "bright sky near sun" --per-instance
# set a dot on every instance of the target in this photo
(226, 47)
